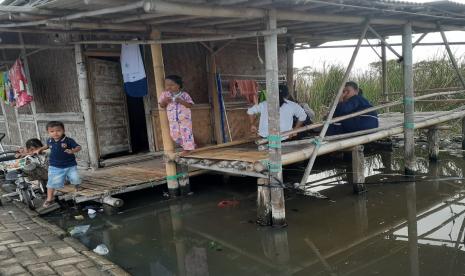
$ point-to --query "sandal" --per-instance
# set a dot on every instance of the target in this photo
(47, 203)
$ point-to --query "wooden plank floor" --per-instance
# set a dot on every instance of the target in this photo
(117, 179)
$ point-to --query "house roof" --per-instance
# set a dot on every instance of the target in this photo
(307, 21)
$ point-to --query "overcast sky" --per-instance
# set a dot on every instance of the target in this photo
(317, 57)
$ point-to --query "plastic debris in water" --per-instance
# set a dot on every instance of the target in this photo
(101, 249)
(228, 203)
(91, 213)
(79, 230)
(79, 217)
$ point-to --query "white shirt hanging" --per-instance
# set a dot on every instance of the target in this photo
(132, 66)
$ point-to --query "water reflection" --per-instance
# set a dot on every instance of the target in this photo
(399, 227)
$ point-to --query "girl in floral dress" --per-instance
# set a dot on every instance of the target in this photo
(178, 105)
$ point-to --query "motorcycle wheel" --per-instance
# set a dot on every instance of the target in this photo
(27, 199)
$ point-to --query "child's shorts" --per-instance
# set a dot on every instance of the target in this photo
(57, 177)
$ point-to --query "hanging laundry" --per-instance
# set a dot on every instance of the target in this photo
(19, 84)
(132, 68)
(9, 94)
(247, 88)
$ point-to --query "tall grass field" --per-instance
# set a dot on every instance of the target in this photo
(319, 87)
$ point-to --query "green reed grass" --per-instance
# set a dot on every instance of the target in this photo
(319, 87)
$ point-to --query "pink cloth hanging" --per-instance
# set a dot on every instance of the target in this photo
(247, 88)
(19, 84)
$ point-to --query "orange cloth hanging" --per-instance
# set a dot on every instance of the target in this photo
(247, 88)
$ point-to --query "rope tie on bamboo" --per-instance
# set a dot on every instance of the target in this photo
(317, 142)
(274, 141)
(408, 125)
(409, 100)
(274, 167)
(176, 176)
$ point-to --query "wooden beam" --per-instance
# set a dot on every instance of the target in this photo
(384, 74)
(278, 212)
(24, 9)
(451, 57)
(409, 100)
(168, 144)
(87, 107)
(187, 40)
(36, 46)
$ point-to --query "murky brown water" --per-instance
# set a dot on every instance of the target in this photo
(397, 228)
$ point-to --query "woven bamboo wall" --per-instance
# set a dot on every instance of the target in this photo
(54, 81)
(14, 138)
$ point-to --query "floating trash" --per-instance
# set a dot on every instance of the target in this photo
(101, 249)
(91, 213)
(79, 217)
(79, 230)
(228, 203)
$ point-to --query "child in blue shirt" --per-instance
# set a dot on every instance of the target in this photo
(62, 161)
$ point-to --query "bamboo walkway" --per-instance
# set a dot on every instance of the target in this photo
(248, 159)
(118, 179)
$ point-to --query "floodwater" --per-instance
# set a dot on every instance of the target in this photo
(400, 227)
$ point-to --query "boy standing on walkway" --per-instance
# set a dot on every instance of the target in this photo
(62, 161)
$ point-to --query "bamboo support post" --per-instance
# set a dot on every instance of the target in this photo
(463, 133)
(113, 201)
(384, 74)
(278, 214)
(212, 83)
(451, 56)
(358, 168)
(290, 67)
(433, 143)
(168, 144)
(385, 43)
(87, 107)
(309, 167)
(409, 109)
(263, 202)
(183, 179)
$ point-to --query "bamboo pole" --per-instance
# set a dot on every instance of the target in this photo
(168, 144)
(282, 15)
(451, 56)
(263, 202)
(304, 154)
(384, 74)
(428, 44)
(290, 67)
(309, 167)
(409, 100)
(463, 133)
(278, 213)
(78, 15)
(86, 107)
(433, 143)
(341, 118)
(385, 43)
(275, 31)
(358, 169)
(30, 88)
(212, 87)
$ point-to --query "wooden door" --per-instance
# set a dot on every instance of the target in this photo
(109, 99)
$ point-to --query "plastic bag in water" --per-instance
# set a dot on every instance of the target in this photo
(101, 249)
(79, 230)
(91, 213)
